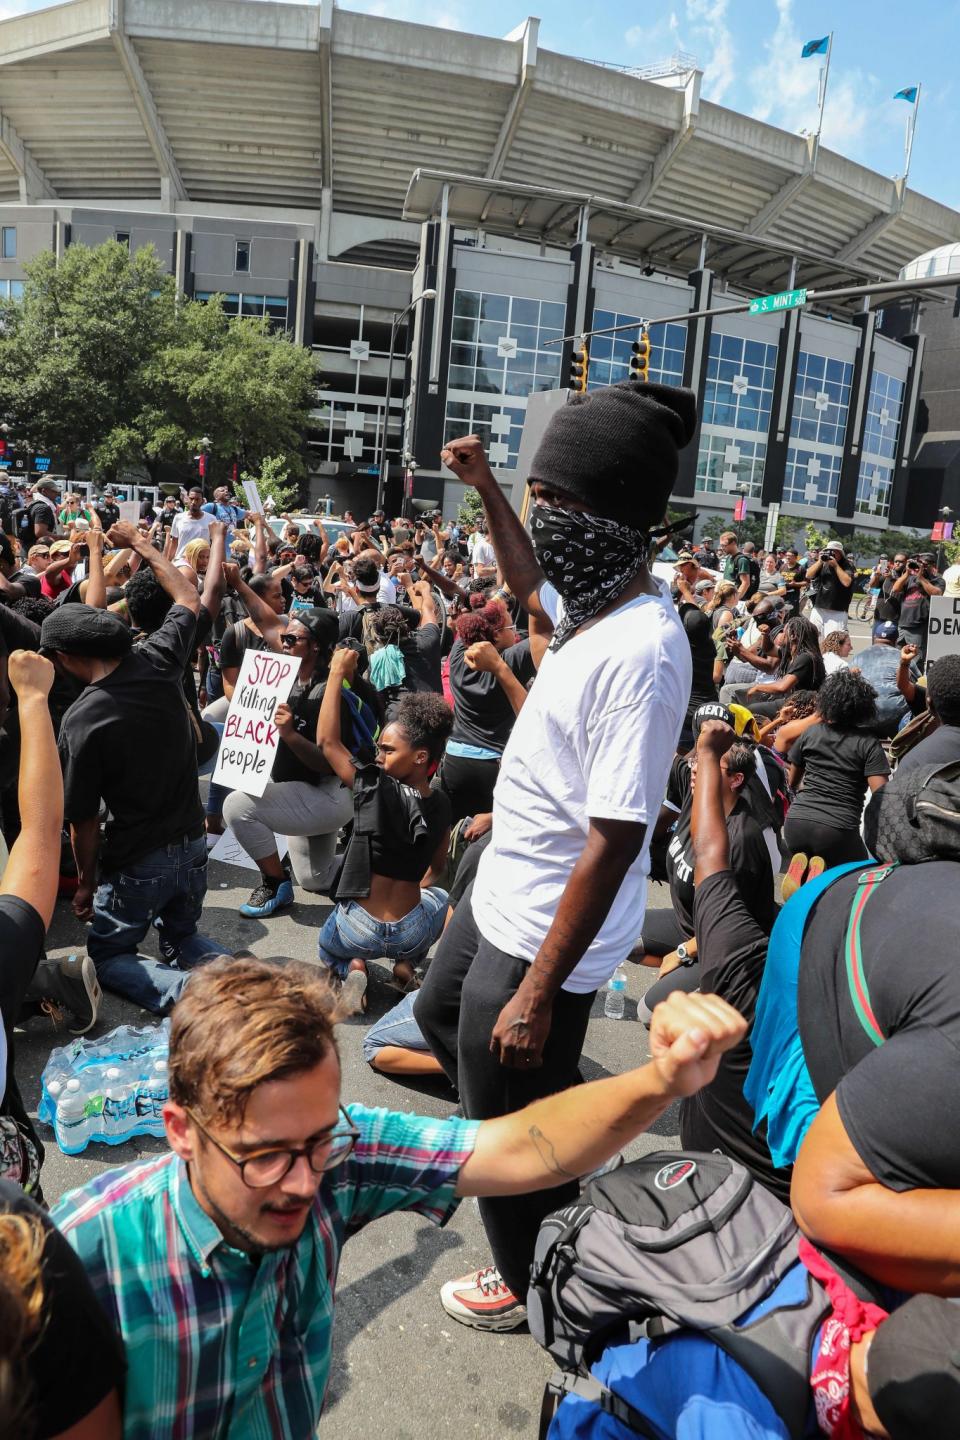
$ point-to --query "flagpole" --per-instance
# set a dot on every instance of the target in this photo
(911, 131)
(824, 76)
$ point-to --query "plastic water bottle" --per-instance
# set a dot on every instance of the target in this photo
(73, 1124)
(119, 1115)
(613, 1002)
(152, 1095)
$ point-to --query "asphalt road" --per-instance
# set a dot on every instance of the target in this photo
(402, 1368)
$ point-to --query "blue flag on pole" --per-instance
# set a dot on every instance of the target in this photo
(909, 93)
(815, 47)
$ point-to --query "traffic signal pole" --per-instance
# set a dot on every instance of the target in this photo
(844, 292)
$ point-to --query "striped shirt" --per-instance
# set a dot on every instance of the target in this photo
(221, 1344)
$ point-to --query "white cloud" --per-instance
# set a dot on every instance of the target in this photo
(784, 91)
(700, 28)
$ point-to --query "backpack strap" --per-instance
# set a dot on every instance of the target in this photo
(562, 1383)
(853, 954)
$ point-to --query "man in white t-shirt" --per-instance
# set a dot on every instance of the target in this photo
(190, 524)
(560, 892)
(484, 557)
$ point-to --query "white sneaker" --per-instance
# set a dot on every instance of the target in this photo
(483, 1300)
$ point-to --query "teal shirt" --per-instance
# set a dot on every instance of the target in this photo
(221, 1344)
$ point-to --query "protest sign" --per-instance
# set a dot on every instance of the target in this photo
(943, 629)
(254, 502)
(229, 851)
(250, 739)
(129, 510)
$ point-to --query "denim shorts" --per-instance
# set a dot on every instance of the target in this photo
(350, 932)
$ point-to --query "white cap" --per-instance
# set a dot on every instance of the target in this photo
(160, 1065)
(113, 1073)
(73, 1084)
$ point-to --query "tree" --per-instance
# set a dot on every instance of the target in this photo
(470, 509)
(274, 473)
(102, 363)
(75, 352)
(248, 388)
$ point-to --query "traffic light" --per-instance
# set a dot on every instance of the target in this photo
(640, 359)
(579, 366)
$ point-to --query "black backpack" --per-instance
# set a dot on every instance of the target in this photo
(673, 1241)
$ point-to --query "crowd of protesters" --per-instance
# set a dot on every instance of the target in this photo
(499, 735)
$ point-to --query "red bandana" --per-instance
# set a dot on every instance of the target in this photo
(848, 1322)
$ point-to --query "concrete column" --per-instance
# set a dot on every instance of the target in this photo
(857, 418)
(908, 419)
(580, 302)
(784, 382)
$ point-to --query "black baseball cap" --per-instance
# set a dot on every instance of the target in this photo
(713, 710)
(84, 630)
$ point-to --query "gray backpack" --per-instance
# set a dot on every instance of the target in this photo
(673, 1241)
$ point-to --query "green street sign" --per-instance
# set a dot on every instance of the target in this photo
(786, 300)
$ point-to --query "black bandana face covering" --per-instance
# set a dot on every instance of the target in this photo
(588, 558)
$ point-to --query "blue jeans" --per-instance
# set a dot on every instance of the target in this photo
(166, 889)
(398, 1028)
(350, 932)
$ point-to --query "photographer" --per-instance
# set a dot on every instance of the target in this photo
(833, 575)
(913, 589)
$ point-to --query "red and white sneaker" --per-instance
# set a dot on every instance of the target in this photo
(483, 1299)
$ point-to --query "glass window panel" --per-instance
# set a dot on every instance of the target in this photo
(487, 381)
(466, 302)
(464, 328)
(458, 410)
(463, 355)
(525, 312)
(252, 304)
(495, 307)
(461, 377)
(553, 313)
(525, 336)
(519, 382)
(490, 331)
(16, 289)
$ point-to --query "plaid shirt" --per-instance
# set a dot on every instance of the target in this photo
(221, 1345)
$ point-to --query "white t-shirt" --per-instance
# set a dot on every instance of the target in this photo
(484, 554)
(594, 740)
(390, 587)
(185, 528)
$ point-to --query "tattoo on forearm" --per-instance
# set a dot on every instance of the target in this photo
(547, 1153)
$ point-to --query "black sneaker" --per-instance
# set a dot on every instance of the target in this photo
(69, 984)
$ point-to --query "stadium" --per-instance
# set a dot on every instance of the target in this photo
(371, 184)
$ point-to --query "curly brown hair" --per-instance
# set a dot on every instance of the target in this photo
(241, 1023)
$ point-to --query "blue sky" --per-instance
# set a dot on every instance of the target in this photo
(749, 51)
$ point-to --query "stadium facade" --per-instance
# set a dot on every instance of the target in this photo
(325, 168)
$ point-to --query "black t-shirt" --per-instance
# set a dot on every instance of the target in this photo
(305, 702)
(832, 594)
(482, 713)
(17, 632)
(809, 670)
(939, 748)
(38, 511)
(77, 1357)
(702, 652)
(32, 584)
(915, 605)
(109, 514)
(897, 1100)
(888, 605)
(147, 511)
(749, 861)
(421, 656)
(110, 735)
(836, 764)
(22, 934)
(732, 950)
(351, 621)
(237, 640)
(789, 575)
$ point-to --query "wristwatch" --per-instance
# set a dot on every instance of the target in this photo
(684, 956)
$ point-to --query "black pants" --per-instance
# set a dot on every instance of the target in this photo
(473, 978)
(662, 932)
(838, 847)
(468, 785)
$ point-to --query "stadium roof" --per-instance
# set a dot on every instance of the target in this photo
(252, 103)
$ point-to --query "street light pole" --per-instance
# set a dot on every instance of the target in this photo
(398, 318)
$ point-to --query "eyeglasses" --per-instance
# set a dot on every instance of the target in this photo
(271, 1166)
(290, 640)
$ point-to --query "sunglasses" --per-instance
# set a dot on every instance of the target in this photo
(290, 640)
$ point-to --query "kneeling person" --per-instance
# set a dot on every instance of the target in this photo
(387, 906)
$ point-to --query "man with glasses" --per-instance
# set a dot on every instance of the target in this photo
(217, 1262)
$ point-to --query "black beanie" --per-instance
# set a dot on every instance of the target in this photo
(616, 449)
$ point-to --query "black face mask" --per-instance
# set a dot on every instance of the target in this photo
(589, 559)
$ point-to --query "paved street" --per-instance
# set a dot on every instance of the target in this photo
(394, 1345)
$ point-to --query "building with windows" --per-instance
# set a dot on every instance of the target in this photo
(323, 169)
